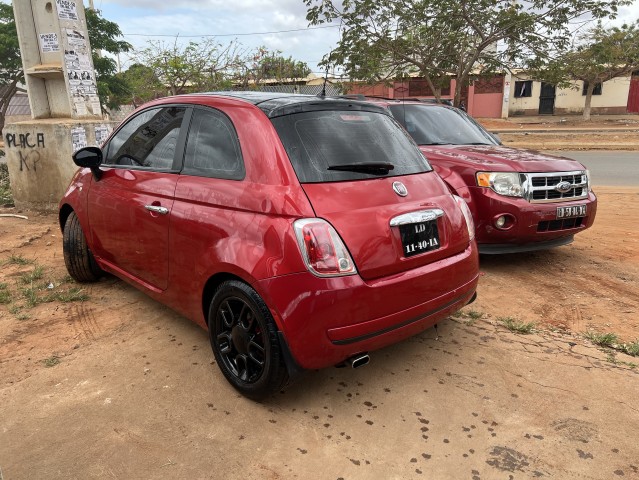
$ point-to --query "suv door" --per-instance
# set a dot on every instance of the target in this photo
(130, 206)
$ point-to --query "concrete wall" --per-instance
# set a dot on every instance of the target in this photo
(613, 98)
(614, 95)
(524, 105)
(39, 157)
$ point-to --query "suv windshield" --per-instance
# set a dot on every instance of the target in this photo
(339, 145)
(440, 126)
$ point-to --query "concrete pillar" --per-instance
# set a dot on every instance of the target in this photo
(56, 56)
(62, 88)
(38, 155)
(505, 105)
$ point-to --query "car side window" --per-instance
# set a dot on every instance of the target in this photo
(148, 140)
(212, 148)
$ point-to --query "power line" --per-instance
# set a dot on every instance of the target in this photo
(227, 34)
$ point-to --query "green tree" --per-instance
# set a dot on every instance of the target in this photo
(11, 75)
(263, 64)
(192, 67)
(142, 85)
(275, 66)
(103, 35)
(388, 39)
(601, 55)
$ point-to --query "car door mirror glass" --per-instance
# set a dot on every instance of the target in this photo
(88, 157)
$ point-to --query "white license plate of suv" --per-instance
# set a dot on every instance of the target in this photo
(570, 212)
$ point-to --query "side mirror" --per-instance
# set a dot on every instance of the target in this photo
(89, 157)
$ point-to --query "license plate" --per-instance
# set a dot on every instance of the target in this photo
(419, 237)
(570, 212)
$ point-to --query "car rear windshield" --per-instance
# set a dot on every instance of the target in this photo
(433, 125)
(338, 145)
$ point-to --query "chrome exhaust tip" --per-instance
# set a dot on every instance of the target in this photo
(359, 360)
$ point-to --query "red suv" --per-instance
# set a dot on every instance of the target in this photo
(521, 200)
(302, 232)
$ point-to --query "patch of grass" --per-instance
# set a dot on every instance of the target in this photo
(5, 187)
(36, 274)
(631, 348)
(34, 289)
(18, 260)
(516, 326)
(67, 279)
(51, 361)
(602, 339)
(31, 297)
(72, 295)
(471, 316)
(5, 294)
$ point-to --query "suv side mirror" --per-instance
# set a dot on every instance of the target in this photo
(89, 157)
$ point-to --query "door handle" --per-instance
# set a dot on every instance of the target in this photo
(156, 209)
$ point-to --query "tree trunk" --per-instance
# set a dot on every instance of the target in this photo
(7, 94)
(437, 91)
(458, 90)
(589, 90)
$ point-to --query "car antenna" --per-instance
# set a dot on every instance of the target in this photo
(328, 62)
(323, 92)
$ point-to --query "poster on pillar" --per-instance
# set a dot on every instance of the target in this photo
(78, 138)
(78, 65)
(67, 10)
(49, 42)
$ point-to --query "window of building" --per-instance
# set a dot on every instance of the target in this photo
(596, 91)
(523, 88)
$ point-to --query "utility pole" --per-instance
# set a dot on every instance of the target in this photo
(65, 107)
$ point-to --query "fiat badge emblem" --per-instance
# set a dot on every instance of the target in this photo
(400, 189)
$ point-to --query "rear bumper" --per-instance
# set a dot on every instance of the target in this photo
(327, 320)
(534, 225)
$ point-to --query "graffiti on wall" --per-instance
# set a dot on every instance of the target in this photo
(29, 158)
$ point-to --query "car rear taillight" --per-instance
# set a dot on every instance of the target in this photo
(324, 253)
(467, 216)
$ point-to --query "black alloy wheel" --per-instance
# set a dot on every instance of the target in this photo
(245, 342)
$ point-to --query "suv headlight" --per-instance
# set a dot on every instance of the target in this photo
(503, 183)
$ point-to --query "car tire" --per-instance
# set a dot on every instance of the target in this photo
(244, 340)
(78, 258)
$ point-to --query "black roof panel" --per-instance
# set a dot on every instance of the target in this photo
(277, 104)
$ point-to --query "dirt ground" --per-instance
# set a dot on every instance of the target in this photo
(99, 381)
(567, 133)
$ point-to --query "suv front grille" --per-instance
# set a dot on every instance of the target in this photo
(543, 187)
(564, 224)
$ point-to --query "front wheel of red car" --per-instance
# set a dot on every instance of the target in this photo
(77, 256)
(244, 340)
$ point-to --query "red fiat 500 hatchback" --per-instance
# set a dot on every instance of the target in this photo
(302, 232)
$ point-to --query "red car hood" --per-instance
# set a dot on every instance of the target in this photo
(500, 158)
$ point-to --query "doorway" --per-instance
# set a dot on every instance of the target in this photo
(633, 94)
(547, 99)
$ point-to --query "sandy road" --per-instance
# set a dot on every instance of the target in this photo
(132, 392)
